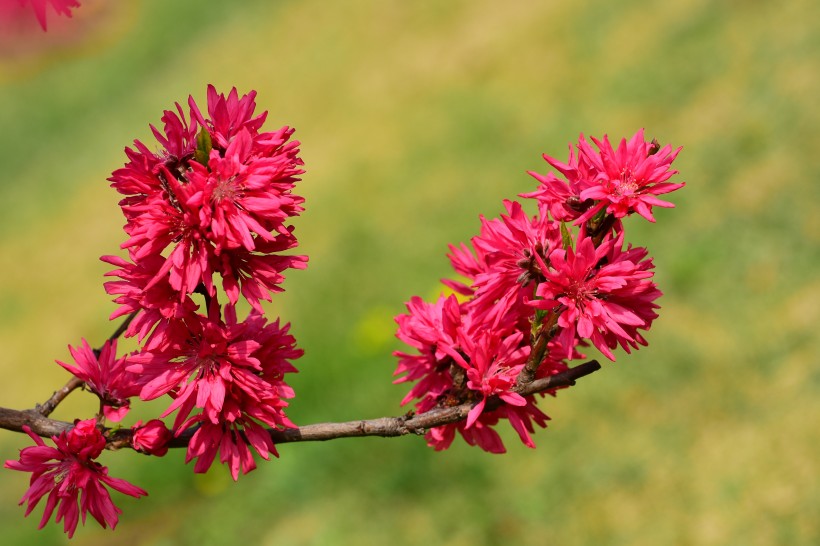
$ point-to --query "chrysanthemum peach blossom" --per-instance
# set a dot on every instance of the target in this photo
(602, 294)
(630, 178)
(74, 482)
(105, 375)
(213, 199)
(232, 372)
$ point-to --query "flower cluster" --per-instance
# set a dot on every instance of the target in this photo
(214, 202)
(207, 218)
(538, 288)
(72, 479)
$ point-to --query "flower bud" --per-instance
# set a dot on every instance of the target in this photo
(152, 438)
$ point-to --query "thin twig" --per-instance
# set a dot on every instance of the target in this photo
(545, 333)
(74, 383)
(51, 404)
(123, 327)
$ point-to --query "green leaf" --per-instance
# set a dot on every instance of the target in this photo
(203, 147)
(566, 236)
(537, 319)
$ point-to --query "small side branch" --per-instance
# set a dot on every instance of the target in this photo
(123, 327)
(74, 383)
(539, 349)
(51, 404)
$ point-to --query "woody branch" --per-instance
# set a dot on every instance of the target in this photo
(42, 425)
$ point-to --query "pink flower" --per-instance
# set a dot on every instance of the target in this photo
(245, 196)
(233, 372)
(151, 438)
(461, 359)
(465, 264)
(507, 248)
(482, 433)
(73, 481)
(231, 440)
(227, 116)
(630, 178)
(105, 375)
(493, 366)
(620, 181)
(432, 329)
(61, 7)
(215, 199)
(143, 290)
(562, 199)
(257, 274)
(602, 294)
(527, 285)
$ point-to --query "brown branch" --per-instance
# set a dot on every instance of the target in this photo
(50, 405)
(546, 332)
(39, 424)
(601, 229)
(384, 426)
(419, 424)
(123, 327)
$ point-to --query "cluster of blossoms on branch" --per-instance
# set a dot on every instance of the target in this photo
(206, 218)
(539, 289)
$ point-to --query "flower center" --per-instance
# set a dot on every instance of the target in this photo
(581, 292)
(626, 185)
(225, 189)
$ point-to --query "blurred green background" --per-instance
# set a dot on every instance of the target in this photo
(415, 117)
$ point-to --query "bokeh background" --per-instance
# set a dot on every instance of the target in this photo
(415, 118)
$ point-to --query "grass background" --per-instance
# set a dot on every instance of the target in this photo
(416, 117)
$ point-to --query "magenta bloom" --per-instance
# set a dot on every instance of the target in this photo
(227, 116)
(492, 363)
(493, 366)
(151, 438)
(602, 294)
(256, 274)
(74, 482)
(61, 7)
(231, 371)
(630, 178)
(432, 329)
(233, 441)
(507, 248)
(106, 376)
(462, 359)
(562, 199)
(482, 433)
(144, 291)
(527, 287)
(246, 195)
(620, 181)
(215, 199)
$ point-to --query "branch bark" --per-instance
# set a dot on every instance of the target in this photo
(51, 404)
(384, 426)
